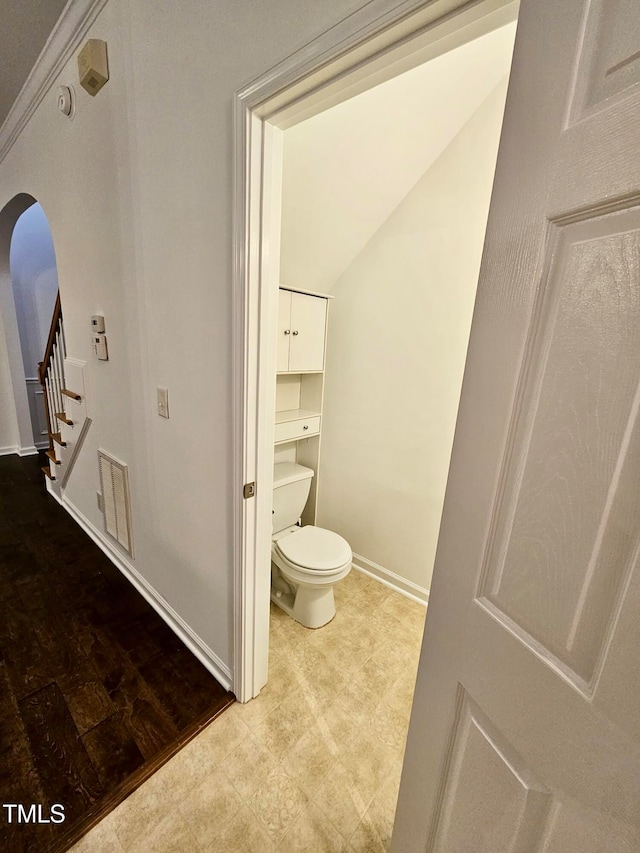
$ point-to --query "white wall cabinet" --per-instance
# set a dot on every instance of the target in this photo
(302, 327)
(302, 322)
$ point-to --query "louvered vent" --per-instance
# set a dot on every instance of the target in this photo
(116, 503)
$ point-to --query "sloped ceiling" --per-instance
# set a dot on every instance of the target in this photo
(346, 169)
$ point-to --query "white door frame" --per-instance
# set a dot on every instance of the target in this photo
(372, 45)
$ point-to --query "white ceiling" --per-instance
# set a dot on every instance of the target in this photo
(348, 168)
(25, 26)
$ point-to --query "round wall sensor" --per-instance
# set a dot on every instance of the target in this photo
(66, 101)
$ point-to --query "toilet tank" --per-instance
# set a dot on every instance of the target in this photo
(291, 485)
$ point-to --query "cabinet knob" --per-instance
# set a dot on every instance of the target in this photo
(287, 331)
(306, 426)
(295, 333)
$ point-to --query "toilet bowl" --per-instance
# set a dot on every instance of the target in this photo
(306, 562)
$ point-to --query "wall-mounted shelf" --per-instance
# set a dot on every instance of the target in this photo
(295, 415)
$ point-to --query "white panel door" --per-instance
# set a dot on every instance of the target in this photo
(308, 324)
(525, 731)
(284, 330)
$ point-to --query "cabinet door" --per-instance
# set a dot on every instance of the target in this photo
(308, 321)
(284, 330)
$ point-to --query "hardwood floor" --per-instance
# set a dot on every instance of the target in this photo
(96, 691)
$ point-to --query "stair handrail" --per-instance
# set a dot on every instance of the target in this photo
(43, 366)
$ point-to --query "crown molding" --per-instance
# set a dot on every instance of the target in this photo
(70, 29)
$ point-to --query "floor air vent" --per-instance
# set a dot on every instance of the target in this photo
(116, 502)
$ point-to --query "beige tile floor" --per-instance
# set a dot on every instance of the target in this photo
(312, 765)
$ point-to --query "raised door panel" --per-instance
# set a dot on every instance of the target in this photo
(561, 553)
(491, 800)
(609, 61)
(39, 424)
(308, 324)
(284, 330)
(42, 430)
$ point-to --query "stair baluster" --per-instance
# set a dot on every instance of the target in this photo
(50, 406)
(58, 367)
(51, 372)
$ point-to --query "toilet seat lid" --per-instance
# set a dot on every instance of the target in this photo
(315, 548)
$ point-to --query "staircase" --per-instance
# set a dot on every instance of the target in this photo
(65, 408)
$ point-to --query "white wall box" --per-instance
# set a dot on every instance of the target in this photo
(302, 322)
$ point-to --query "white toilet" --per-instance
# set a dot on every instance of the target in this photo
(306, 562)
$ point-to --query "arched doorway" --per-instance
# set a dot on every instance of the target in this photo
(28, 290)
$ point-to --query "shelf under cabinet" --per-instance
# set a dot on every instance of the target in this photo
(298, 372)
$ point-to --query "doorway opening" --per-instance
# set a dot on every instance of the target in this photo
(265, 112)
(373, 206)
(28, 293)
(331, 692)
(34, 278)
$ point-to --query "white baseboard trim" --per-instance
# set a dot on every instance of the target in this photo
(200, 649)
(30, 450)
(391, 579)
(52, 489)
(21, 451)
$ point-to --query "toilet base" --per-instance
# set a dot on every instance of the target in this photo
(312, 607)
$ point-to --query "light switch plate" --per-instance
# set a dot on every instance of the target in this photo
(100, 349)
(97, 324)
(163, 402)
